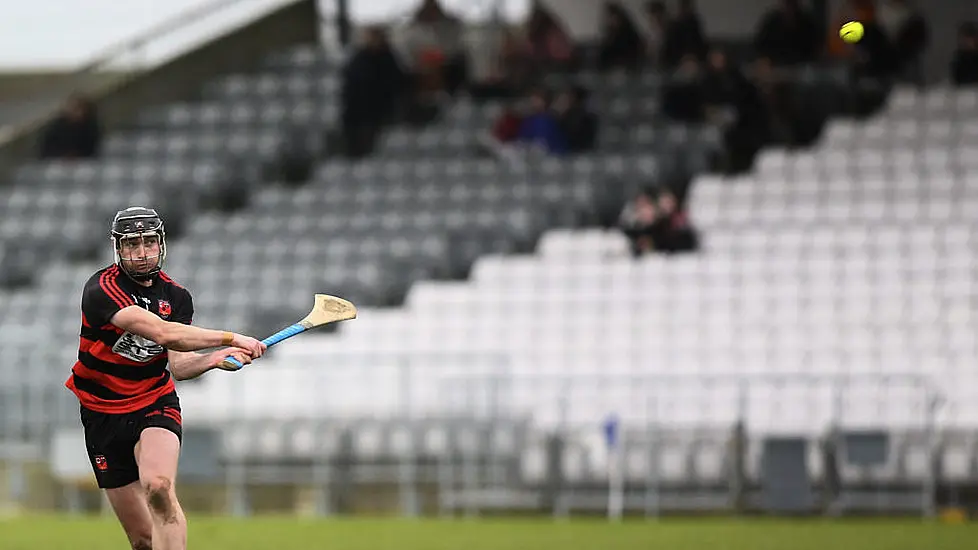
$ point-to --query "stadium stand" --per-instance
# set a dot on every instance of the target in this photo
(494, 206)
(834, 292)
(854, 259)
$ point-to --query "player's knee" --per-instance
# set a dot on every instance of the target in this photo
(158, 486)
(159, 495)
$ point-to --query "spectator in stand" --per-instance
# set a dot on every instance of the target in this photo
(875, 56)
(722, 89)
(550, 45)
(732, 100)
(673, 233)
(434, 43)
(788, 35)
(682, 97)
(907, 30)
(964, 67)
(73, 134)
(510, 69)
(373, 85)
(786, 117)
(658, 22)
(506, 129)
(540, 127)
(655, 222)
(684, 37)
(577, 122)
(638, 222)
(621, 45)
(503, 139)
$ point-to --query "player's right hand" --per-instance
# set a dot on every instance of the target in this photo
(252, 346)
(240, 355)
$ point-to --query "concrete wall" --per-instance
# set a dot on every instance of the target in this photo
(182, 77)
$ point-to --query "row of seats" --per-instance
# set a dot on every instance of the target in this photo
(209, 139)
(113, 175)
(348, 382)
(265, 87)
(895, 133)
(584, 350)
(932, 103)
(872, 239)
(213, 115)
(779, 214)
(933, 161)
(113, 171)
(191, 146)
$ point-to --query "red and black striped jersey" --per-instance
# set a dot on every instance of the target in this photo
(117, 371)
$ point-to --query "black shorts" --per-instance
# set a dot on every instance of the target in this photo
(111, 438)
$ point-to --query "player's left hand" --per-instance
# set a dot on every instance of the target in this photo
(241, 355)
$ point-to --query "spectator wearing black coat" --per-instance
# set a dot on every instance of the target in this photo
(657, 18)
(550, 44)
(682, 97)
(735, 101)
(875, 55)
(907, 31)
(684, 37)
(373, 86)
(673, 231)
(638, 221)
(788, 35)
(577, 122)
(621, 44)
(74, 134)
(964, 67)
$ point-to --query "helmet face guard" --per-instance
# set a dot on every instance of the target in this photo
(139, 242)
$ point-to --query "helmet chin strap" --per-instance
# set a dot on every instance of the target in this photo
(140, 277)
(132, 274)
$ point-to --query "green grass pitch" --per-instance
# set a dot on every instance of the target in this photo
(273, 533)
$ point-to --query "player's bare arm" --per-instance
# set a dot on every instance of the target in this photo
(186, 365)
(181, 337)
